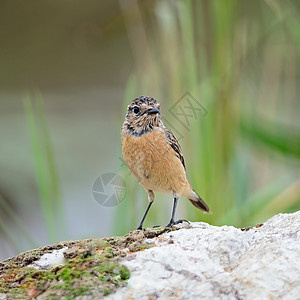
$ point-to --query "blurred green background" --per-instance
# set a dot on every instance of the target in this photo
(68, 69)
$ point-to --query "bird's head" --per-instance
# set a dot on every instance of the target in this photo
(143, 114)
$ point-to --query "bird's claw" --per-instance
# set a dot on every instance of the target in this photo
(172, 223)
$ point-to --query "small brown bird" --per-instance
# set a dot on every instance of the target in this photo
(154, 156)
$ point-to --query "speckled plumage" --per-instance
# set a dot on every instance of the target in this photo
(153, 154)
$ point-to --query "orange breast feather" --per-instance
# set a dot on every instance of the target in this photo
(153, 162)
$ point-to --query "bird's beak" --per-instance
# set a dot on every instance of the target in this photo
(153, 111)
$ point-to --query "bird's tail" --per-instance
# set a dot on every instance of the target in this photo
(197, 201)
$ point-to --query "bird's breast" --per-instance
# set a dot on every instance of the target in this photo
(153, 162)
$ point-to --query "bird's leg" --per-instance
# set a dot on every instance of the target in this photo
(141, 224)
(151, 199)
(172, 222)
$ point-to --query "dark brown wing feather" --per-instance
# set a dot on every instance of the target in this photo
(174, 144)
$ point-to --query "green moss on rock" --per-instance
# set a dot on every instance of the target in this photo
(90, 270)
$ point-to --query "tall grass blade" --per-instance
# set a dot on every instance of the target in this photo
(46, 173)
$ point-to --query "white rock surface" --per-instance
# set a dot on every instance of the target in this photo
(49, 260)
(208, 262)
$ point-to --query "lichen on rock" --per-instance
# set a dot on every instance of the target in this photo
(92, 269)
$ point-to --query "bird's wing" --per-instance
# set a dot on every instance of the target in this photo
(172, 140)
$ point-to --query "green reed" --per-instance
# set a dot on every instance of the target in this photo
(46, 171)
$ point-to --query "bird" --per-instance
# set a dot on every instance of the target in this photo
(154, 156)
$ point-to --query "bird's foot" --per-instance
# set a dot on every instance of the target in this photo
(172, 222)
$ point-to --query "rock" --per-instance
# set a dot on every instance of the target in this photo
(199, 261)
(210, 262)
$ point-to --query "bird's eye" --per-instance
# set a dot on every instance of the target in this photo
(136, 109)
